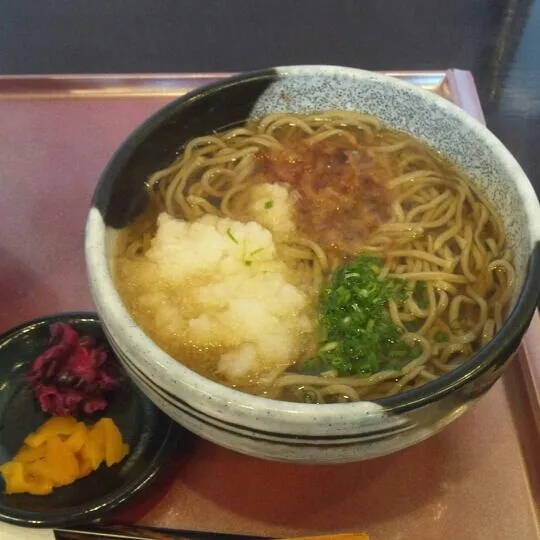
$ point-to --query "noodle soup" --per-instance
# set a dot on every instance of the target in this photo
(317, 258)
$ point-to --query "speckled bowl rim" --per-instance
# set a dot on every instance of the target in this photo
(221, 396)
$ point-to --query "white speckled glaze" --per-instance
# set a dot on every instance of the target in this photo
(321, 433)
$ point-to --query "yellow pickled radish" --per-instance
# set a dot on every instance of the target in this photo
(17, 481)
(62, 461)
(57, 425)
(60, 452)
(94, 447)
(115, 449)
(85, 467)
(76, 440)
(27, 454)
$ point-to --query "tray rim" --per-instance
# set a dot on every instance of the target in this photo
(110, 85)
(456, 85)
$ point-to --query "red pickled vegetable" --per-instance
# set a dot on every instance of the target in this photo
(73, 375)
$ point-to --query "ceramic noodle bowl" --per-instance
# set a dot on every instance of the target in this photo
(300, 432)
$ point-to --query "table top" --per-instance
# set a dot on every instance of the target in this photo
(495, 39)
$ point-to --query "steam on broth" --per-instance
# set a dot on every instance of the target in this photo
(317, 258)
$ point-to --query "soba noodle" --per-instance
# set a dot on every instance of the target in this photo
(425, 220)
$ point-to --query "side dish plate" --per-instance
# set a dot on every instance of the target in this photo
(152, 436)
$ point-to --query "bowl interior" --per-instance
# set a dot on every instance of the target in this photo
(121, 195)
(149, 432)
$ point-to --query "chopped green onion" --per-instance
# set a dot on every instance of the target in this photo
(420, 295)
(441, 336)
(268, 204)
(231, 235)
(358, 336)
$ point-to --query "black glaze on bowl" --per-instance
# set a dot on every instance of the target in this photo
(151, 435)
(155, 144)
(121, 195)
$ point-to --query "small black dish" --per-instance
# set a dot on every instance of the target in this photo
(151, 434)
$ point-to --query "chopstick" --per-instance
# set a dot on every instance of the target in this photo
(134, 532)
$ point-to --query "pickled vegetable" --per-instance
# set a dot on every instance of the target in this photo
(58, 425)
(61, 451)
